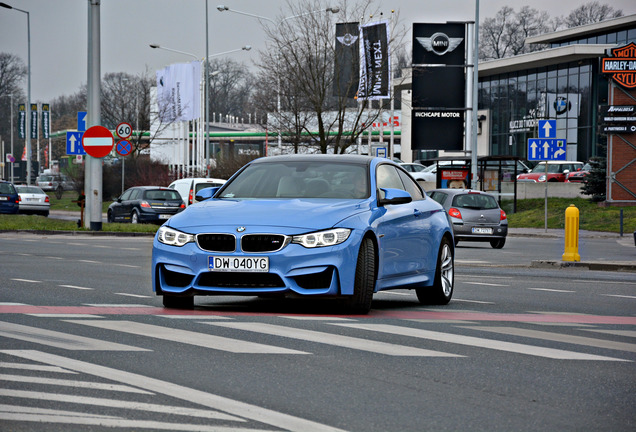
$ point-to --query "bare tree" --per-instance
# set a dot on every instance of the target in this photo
(230, 87)
(299, 65)
(505, 34)
(12, 73)
(589, 13)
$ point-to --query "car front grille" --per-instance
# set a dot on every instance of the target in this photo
(216, 242)
(240, 280)
(263, 242)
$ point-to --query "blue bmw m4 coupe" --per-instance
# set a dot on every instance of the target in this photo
(338, 226)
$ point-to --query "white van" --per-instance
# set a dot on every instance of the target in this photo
(189, 187)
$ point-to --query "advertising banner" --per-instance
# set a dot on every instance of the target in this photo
(437, 130)
(347, 61)
(178, 92)
(34, 121)
(375, 62)
(46, 125)
(439, 44)
(22, 121)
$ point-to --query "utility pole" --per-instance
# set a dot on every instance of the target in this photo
(93, 166)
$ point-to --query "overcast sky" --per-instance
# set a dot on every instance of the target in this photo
(59, 31)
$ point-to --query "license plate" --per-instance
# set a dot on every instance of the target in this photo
(164, 216)
(238, 264)
(478, 230)
(3, 198)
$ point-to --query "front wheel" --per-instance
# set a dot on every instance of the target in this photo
(364, 285)
(498, 244)
(109, 217)
(442, 290)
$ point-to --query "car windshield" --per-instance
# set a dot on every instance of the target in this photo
(299, 179)
(162, 194)
(552, 168)
(29, 189)
(475, 202)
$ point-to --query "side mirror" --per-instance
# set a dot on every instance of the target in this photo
(566, 171)
(395, 196)
(206, 193)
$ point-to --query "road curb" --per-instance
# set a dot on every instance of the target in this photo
(598, 266)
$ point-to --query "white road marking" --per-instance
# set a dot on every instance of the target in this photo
(472, 301)
(626, 333)
(90, 261)
(133, 295)
(551, 290)
(72, 383)
(76, 287)
(26, 280)
(34, 367)
(117, 305)
(125, 404)
(54, 315)
(619, 296)
(477, 342)
(333, 339)
(188, 337)
(127, 265)
(486, 284)
(191, 395)
(557, 337)
(59, 339)
(315, 318)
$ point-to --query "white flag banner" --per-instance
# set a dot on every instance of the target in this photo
(178, 92)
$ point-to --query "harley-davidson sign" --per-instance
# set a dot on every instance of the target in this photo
(622, 65)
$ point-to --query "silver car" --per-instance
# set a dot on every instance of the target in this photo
(474, 215)
(32, 199)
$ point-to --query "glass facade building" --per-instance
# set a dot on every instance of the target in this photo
(557, 83)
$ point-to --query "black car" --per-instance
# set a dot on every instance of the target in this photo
(142, 204)
(8, 198)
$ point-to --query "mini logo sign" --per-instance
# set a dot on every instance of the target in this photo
(439, 43)
(347, 40)
(622, 65)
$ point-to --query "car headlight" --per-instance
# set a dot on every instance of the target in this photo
(172, 237)
(542, 178)
(330, 237)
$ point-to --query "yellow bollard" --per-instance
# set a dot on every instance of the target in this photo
(571, 234)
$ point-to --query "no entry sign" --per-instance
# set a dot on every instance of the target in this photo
(98, 141)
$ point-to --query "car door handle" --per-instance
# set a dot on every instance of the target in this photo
(417, 213)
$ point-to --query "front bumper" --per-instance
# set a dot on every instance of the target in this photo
(293, 270)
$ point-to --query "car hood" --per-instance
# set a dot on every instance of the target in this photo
(304, 214)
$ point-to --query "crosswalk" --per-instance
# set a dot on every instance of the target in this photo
(53, 387)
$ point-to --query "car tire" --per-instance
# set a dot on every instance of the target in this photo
(442, 290)
(364, 284)
(45, 214)
(134, 217)
(109, 217)
(498, 244)
(174, 302)
(58, 192)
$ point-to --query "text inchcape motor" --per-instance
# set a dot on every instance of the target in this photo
(438, 114)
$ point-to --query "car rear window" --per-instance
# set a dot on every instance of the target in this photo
(7, 188)
(164, 194)
(29, 189)
(475, 202)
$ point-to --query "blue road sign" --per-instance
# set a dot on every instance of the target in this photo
(547, 128)
(74, 143)
(123, 147)
(81, 121)
(546, 149)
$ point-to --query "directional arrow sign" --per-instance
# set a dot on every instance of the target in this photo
(547, 128)
(74, 143)
(81, 121)
(98, 141)
(546, 149)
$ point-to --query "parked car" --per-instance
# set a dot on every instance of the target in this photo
(578, 176)
(188, 188)
(32, 199)
(53, 182)
(338, 226)
(8, 198)
(475, 215)
(417, 172)
(145, 204)
(557, 171)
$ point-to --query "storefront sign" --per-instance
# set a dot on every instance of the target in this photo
(622, 65)
(619, 129)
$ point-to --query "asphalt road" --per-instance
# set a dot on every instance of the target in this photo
(85, 345)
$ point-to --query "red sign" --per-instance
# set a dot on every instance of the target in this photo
(622, 65)
(98, 141)
(123, 148)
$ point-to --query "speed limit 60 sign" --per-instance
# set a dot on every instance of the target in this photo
(124, 130)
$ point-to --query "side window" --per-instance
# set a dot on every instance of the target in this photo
(126, 195)
(440, 197)
(411, 186)
(134, 194)
(387, 177)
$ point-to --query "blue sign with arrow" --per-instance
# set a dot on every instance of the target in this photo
(81, 121)
(74, 143)
(546, 149)
(547, 128)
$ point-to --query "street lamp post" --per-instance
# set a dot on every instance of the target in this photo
(223, 8)
(28, 105)
(206, 91)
